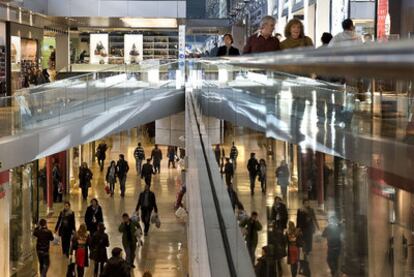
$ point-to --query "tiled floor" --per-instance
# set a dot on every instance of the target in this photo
(164, 252)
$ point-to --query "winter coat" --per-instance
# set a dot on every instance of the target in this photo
(85, 177)
(44, 237)
(265, 267)
(101, 151)
(133, 228)
(152, 202)
(156, 155)
(109, 178)
(116, 266)
(92, 218)
(253, 227)
(99, 243)
(66, 223)
(279, 214)
(253, 166)
(123, 168)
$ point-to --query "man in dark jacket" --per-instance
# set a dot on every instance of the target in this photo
(266, 265)
(129, 230)
(147, 172)
(139, 155)
(85, 177)
(332, 233)
(253, 168)
(253, 226)
(99, 243)
(147, 203)
(279, 214)
(93, 216)
(234, 153)
(101, 154)
(116, 266)
(122, 166)
(44, 237)
(156, 156)
(228, 171)
(227, 49)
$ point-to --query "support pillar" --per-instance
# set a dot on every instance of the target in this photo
(320, 158)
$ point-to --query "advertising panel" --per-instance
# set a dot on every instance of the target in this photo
(133, 48)
(99, 48)
(16, 50)
(382, 28)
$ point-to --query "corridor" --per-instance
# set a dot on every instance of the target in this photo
(164, 252)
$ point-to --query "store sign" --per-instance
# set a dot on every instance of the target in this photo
(98, 48)
(383, 26)
(133, 48)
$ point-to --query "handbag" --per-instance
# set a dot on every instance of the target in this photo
(70, 272)
(155, 219)
(181, 213)
(56, 240)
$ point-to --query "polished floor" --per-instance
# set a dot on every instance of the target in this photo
(164, 252)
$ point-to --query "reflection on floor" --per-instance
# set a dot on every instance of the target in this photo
(164, 252)
(254, 142)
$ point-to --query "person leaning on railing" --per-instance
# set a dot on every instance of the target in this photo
(263, 40)
(295, 36)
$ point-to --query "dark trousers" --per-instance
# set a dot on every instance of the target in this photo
(148, 180)
(130, 253)
(122, 181)
(171, 162)
(98, 268)
(146, 217)
(294, 269)
(333, 259)
(263, 183)
(252, 182)
(81, 270)
(85, 190)
(66, 243)
(138, 166)
(308, 241)
(157, 166)
(228, 179)
(101, 163)
(44, 262)
(57, 197)
(112, 187)
(251, 247)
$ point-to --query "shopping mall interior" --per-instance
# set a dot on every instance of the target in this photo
(198, 138)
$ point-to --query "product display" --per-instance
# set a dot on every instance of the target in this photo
(133, 48)
(99, 48)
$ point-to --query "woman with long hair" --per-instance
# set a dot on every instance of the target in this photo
(65, 227)
(80, 245)
(295, 36)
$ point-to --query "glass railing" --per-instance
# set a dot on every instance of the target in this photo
(83, 95)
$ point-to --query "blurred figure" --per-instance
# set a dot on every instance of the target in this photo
(156, 156)
(171, 156)
(101, 154)
(99, 243)
(227, 49)
(234, 199)
(368, 38)
(122, 168)
(262, 175)
(57, 183)
(129, 229)
(253, 168)
(295, 36)
(111, 175)
(294, 242)
(82, 56)
(234, 153)
(266, 264)
(139, 155)
(348, 36)
(326, 39)
(116, 265)
(283, 177)
(306, 222)
(252, 227)
(80, 245)
(65, 227)
(147, 172)
(44, 237)
(228, 171)
(332, 233)
(279, 214)
(263, 40)
(85, 177)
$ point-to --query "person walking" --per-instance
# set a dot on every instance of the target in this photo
(234, 153)
(57, 183)
(295, 36)
(147, 172)
(99, 243)
(279, 214)
(332, 233)
(44, 237)
(306, 222)
(171, 156)
(228, 49)
(147, 203)
(156, 156)
(80, 246)
(262, 175)
(65, 227)
(263, 40)
(283, 177)
(217, 154)
(101, 154)
(228, 171)
(111, 175)
(123, 168)
(252, 227)
(139, 155)
(294, 242)
(93, 216)
(253, 168)
(116, 265)
(129, 230)
(266, 264)
(85, 177)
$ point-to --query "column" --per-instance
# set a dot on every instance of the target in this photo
(320, 160)
(4, 223)
(62, 51)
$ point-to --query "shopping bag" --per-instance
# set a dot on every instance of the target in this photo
(181, 213)
(56, 239)
(242, 215)
(107, 189)
(135, 217)
(155, 219)
(70, 272)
